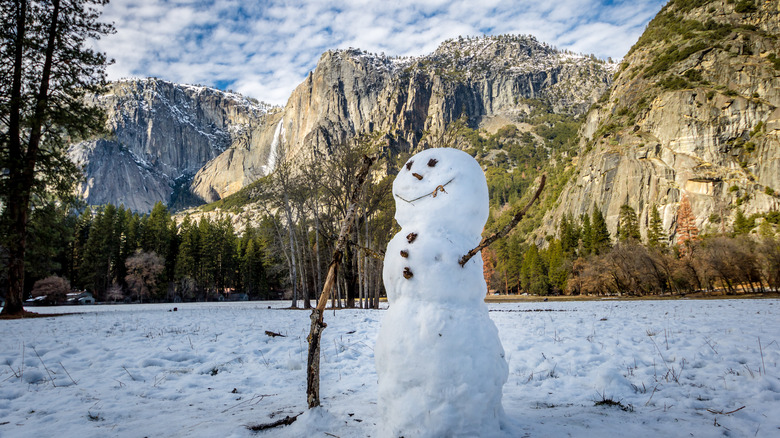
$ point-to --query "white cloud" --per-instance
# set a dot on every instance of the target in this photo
(264, 49)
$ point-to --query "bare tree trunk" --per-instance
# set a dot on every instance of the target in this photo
(360, 272)
(317, 244)
(291, 230)
(307, 303)
(304, 292)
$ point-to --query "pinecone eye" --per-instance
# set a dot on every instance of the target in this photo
(432, 162)
(409, 165)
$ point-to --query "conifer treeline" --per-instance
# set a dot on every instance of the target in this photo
(117, 254)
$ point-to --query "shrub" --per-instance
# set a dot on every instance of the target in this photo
(54, 288)
(745, 7)
(694, 75)
(775, 61)
(674, 83)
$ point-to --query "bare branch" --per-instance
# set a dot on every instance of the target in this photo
(504, 231)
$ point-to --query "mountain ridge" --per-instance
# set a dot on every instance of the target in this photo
(409, 100)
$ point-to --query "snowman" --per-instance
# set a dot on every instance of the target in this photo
(439, 360)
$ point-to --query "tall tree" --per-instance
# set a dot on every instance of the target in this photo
(628, 225)
(742, 224)
(570, 234)
(533, 272)
(98, 266)
(586, 236)
(46, 71)
(188, 260)
(687, 231)
(599, 234)
(655, 230)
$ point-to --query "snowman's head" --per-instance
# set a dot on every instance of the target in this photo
(442, 186)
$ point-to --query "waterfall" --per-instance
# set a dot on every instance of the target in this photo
(272, 156)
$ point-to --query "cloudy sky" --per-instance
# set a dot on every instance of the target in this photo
(265, 48)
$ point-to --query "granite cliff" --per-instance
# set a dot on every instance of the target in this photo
(183, 144)
(693, 112)
(162, 134)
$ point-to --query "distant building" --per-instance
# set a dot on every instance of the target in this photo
(79, 298)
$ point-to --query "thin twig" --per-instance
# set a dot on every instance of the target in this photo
(763, 367)
(720, 412)
(128, 373)
(504, 231)
(379, 255)
(257, 398)
(45, 367)
(663, 359)
(655, 388)
(439, 188)
(66, 372)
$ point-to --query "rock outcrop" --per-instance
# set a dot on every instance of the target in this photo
(162, 134)
(693, 111)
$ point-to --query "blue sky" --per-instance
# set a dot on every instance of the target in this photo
(264, 49)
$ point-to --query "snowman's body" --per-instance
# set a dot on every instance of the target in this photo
(439, 360)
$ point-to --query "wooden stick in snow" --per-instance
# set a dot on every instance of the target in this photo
(504, 231)
(317, 324)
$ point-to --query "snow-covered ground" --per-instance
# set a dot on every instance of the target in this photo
(676, 368)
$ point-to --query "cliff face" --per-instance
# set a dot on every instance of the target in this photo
(170, 141)
(162, 134)
(693, 112)
(351, 92)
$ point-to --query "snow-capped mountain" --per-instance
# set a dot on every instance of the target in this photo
(178, 143)
(161, 135)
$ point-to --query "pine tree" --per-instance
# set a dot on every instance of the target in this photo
(207, 251)
(156, 233)
(188, 259)
(586, 235)
(655, 231)
(98, 264)
(252, 269)
(569, 233)
(556, 271)
(628, 225)
(78, 248)
(48, 67)
(533, 273)
(742, 224)
(599, 234)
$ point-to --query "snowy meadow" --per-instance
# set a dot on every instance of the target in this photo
(703, 368)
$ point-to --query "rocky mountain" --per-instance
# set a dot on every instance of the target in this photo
(486, 80)
(162, 134)
(182, 144)
(693, 112)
